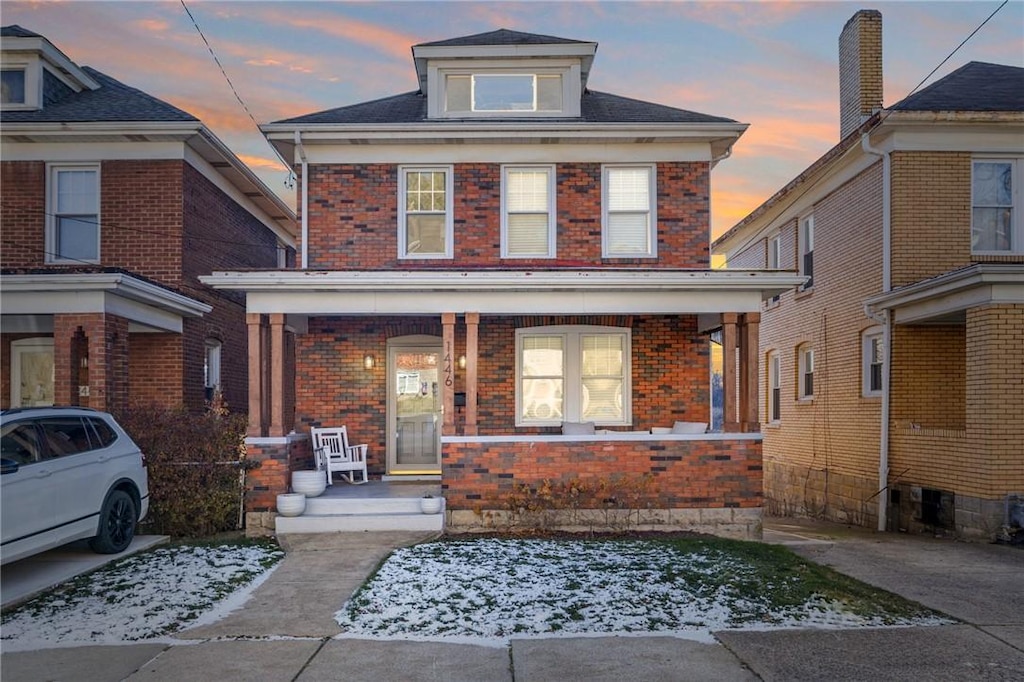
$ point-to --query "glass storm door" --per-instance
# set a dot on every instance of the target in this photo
(32, 372)
(414, 408)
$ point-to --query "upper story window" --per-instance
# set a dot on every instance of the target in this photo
(774, 388)
(572, 374)
(995, 226)
(805, 355)
(425, 212)
(872, 361)
(807, 250)
(73, 218)
(528, 212)
(503, 92)
(12, 86)
(629, 216)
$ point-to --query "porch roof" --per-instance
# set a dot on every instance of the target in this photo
(597, 291)
(946, 298)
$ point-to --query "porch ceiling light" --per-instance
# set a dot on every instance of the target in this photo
(368, 362)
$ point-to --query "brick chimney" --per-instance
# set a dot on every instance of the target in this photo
(860, 70)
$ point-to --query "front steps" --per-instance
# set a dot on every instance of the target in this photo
(351, 515)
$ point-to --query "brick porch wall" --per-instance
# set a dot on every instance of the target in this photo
(277, 459)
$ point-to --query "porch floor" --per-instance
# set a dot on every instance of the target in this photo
(377, 490)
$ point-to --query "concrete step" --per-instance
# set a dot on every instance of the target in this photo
(354, 523)
(324, 506)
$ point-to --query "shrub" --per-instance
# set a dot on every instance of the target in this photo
(196, 466)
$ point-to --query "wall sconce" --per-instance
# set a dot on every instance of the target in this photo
(368, 362)
(462, 362)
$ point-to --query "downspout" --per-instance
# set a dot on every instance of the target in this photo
(304, 199)
(885, 318)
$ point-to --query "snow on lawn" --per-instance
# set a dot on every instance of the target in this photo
(145, 596)
(492, 589)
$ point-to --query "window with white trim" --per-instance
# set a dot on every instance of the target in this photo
(573, 374)
(774, 258)
(629, 217)
(806, 264)
(503, 92)
(806, 372)
(211, 368)
(774, 388)
(12, 86)
(872, 361)
(73, 218)
(425, 212)
(528, 212)
(996, 227)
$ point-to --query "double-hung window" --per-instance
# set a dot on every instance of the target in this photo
(528, 212)
(806, 376)
(873, 360)
(807, 250)
(774, 257)
(73, 219)
(774, 388)
(425, 212)
(996, 227)
(572, 374)
(629, 212)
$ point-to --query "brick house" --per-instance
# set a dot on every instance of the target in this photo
(894, 379)
(114, 203)
(493, 261)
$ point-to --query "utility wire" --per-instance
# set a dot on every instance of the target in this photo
(290, 182)
(885, 113)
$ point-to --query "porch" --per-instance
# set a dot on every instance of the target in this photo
(374, 506)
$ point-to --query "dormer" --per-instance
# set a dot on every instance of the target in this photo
(503, 74)
(34, 73)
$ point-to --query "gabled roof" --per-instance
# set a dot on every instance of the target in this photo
(502, 36)
(975, 86)
(113, 101)
(15, 31)
(596, 107)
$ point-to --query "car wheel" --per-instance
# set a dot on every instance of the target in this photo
(117, 524)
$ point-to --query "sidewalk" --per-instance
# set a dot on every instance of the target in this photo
(285, 631)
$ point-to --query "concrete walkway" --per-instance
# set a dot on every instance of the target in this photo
(285, 631)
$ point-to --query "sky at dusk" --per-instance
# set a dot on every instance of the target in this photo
(772, 65)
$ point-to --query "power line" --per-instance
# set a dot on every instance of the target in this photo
(290, 182)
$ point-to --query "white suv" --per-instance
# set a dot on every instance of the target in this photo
(68, 473)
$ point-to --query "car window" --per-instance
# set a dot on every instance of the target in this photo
(19, 442)
(102, 435)
(65, 435)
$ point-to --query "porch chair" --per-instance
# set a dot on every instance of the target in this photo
(333, 453)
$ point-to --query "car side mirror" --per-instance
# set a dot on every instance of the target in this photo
(8, 466)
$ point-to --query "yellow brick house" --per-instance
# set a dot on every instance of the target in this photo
(893, 378)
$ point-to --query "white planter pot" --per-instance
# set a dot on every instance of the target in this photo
(291, 504)
(309, 483)
(430, 505)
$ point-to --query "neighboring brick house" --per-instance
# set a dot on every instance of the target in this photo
(493, 255)
(113, 204)
(893, 380)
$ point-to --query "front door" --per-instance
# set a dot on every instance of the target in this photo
(414, 406)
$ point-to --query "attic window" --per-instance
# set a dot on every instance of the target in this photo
(503, 93)
(12, 86)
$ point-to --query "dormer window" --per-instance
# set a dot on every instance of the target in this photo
(12, 86)
(503, 92)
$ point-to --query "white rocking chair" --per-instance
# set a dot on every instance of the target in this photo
(333, 453)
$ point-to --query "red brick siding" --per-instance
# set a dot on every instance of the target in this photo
(155, 369)
(353, 218)
(686, 474)
(22, 214)
(272, 476)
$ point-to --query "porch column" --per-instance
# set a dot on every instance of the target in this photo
(276, 374)
(253, 322)
(472, 327)
(749, 361)
(448, 336)
(730, 424)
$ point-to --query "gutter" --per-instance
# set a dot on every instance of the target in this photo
(885, 318)
(304, 230)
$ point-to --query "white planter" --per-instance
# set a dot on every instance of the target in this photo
(430, 505)
(291, 504)
(309, 483)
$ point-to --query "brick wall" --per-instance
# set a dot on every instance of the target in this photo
(929, 371)
(823, 453)
(353, 218)
(22, 214)
(686, 473)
